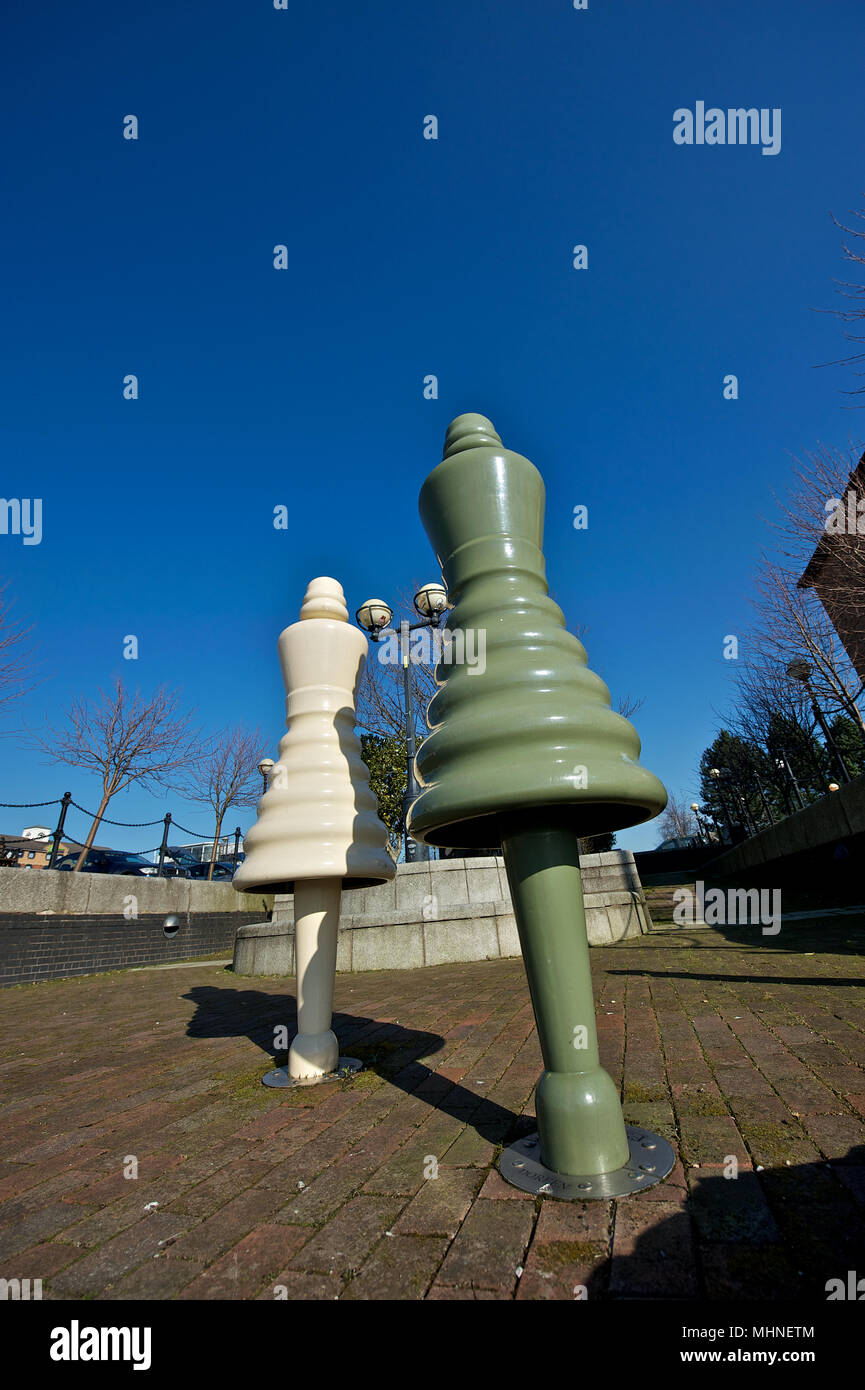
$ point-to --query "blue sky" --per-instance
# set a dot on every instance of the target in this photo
(407, 257)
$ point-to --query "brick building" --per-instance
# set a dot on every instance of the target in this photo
(836, 570)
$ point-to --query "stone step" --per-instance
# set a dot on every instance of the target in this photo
(661, 903)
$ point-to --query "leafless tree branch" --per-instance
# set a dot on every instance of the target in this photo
(224, 773)
(123, 737)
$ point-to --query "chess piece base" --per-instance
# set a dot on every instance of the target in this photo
(280, 1079)
(651, 1159)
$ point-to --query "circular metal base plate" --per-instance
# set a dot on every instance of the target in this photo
(279, 1077)
(652, 1158)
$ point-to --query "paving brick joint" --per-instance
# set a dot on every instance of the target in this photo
(748, 1055)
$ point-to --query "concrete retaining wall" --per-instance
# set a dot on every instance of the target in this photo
(61, 893)
(51, 948)
(54, 923)
(835, 818)
(814, 857)
(442, 911)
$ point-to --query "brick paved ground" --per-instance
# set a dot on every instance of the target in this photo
(728, 1043)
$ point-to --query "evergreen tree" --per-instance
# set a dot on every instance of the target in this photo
(851, 743)
(598, 844)
(734, 798)
(385, 758)
(806, 758)
(794, 760)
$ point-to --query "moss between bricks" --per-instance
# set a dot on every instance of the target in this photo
(570, 1252)
(657, 1116)
(698, 1103)
(245, 1085)
(365, 1080)
(640, 1094)
(771, 1144)
(248, 1086)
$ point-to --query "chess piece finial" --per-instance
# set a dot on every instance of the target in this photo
(324, 598)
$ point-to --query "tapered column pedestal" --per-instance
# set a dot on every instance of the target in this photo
(314, 1054)
(583, 1147)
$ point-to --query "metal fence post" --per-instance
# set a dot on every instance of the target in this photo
(162, 848)
(64, 807)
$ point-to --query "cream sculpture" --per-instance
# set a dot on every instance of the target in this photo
(318, 828)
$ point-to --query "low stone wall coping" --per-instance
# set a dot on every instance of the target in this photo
(57, 892)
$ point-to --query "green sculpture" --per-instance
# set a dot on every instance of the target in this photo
(527, 753)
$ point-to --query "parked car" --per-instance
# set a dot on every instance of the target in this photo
(187, 864)
(110, 861)
(222, 870)
(172, 870)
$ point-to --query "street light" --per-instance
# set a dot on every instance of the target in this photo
(431, 602)
(265, 767)
(375, 616)
(799, 670)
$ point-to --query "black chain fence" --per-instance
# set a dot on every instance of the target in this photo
(167, 821)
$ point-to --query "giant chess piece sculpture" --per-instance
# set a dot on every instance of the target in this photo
(318, 828)
(528, 754)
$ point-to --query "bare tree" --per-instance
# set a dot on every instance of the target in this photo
(812, 588)
(818, 475)
(765, 696)
(853, 290)
(677, 820)
(15, 657)
(125, 737)
(381, 698)
(223, 774)
(792, 624)
(626, 705)
(813, 515)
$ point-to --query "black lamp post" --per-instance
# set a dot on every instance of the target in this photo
(701, 824)
(265, 767)
(801, 671)
(375, 616)
(748, 818)
(766, 806)
(782, 762)
(718, 775)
